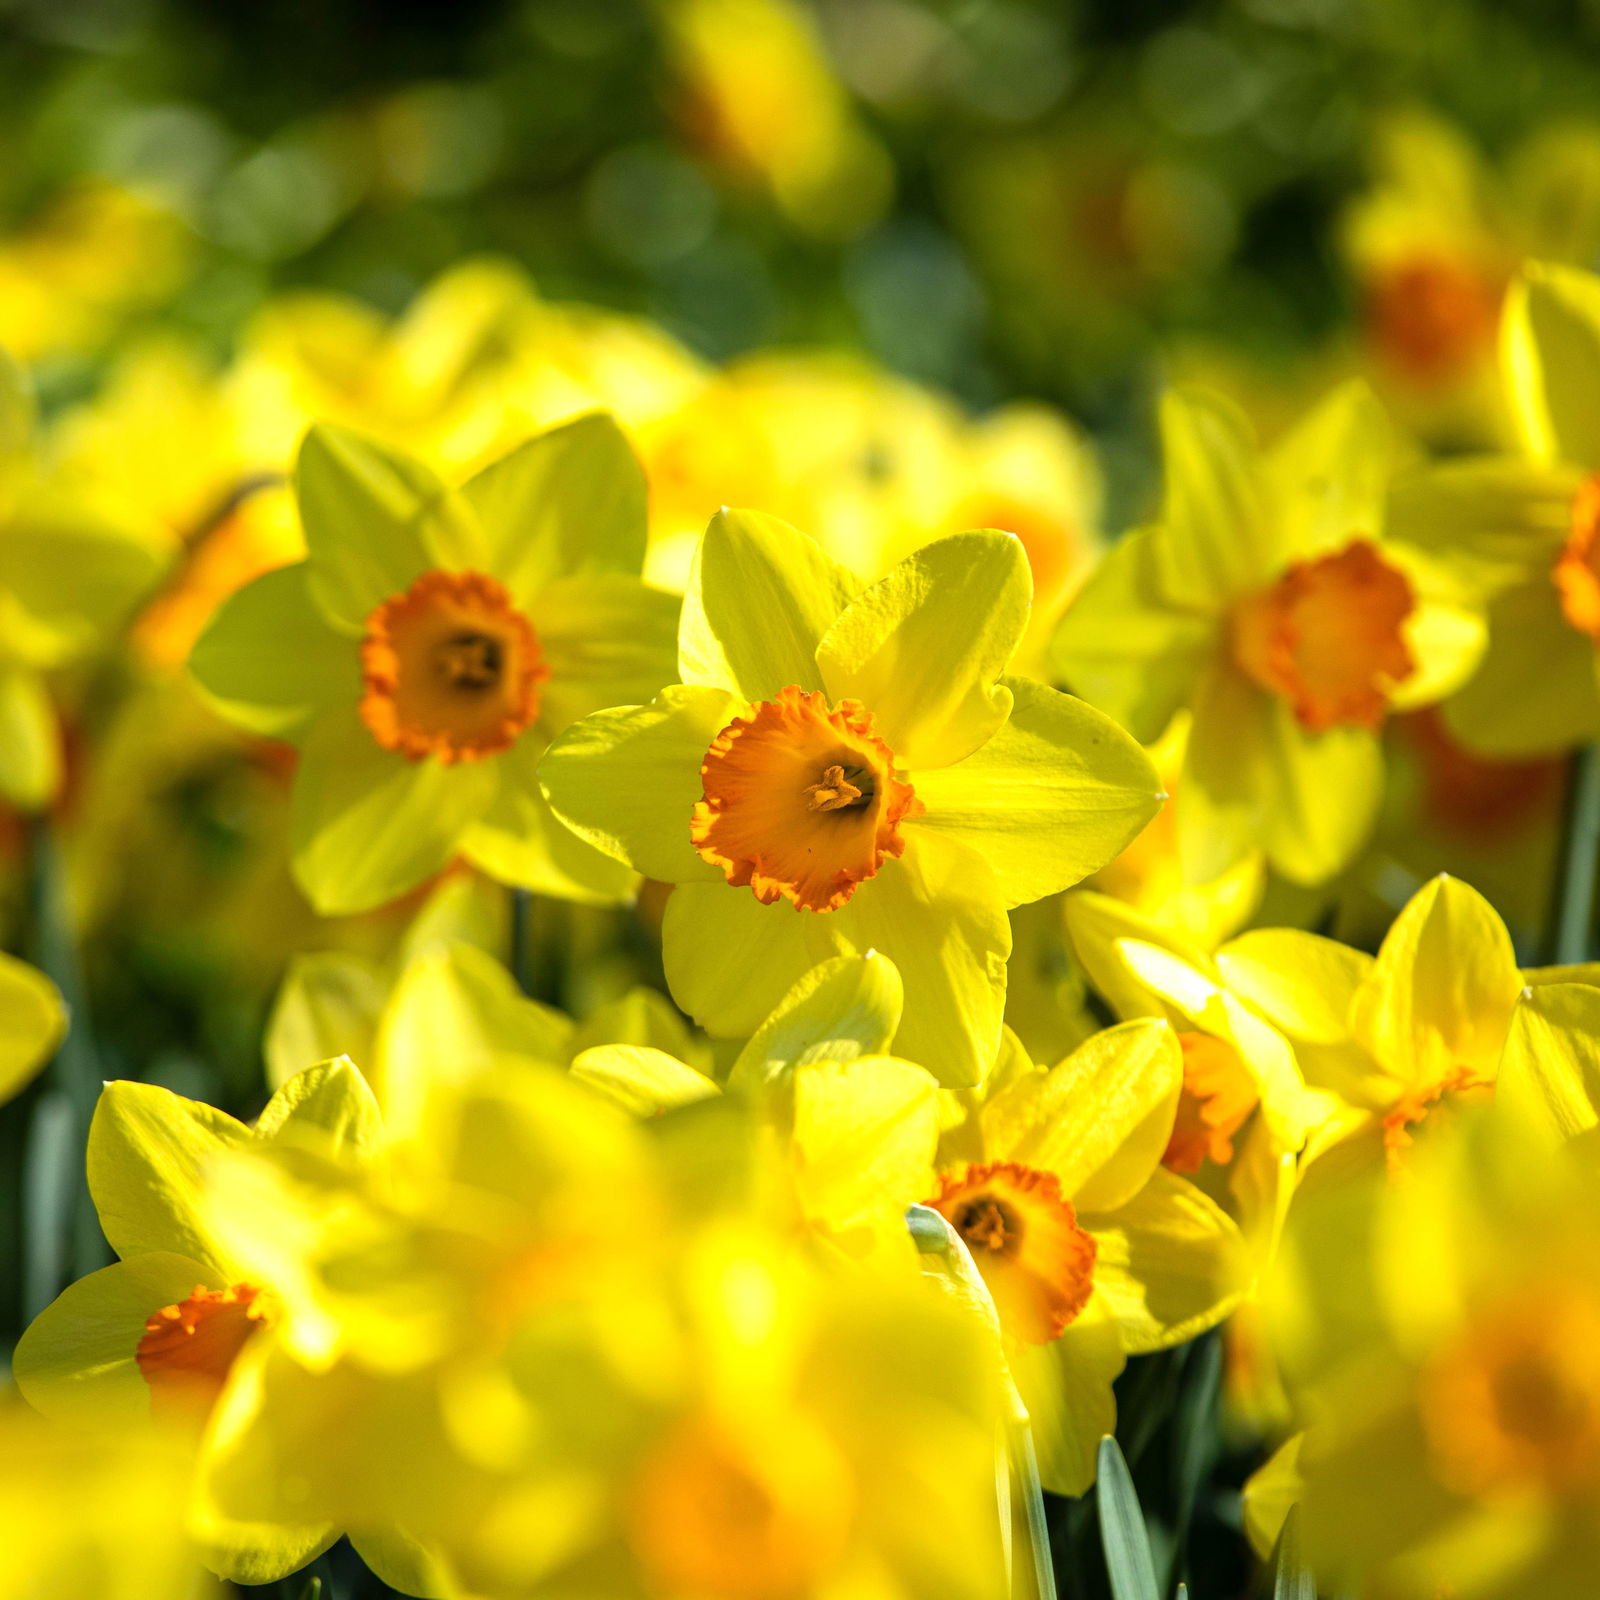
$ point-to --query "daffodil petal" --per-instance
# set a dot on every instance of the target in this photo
(1551, 345)
(370, 515)
(627, 780)
(1170, 1263)
(1330, 474)
(268, 658)
(730, 960)
(608, 639)
(520, 840)
(1224, 791)
(922, 647)
(1301, 982)
(640, 1079)
(1100, 1119)
(760, 598)
(1218, 540)
(843, 1008)
(402, 1563)
(76, 1362)
(1549, 1075)
(328, 1005)
(1326, 789)
(570, 500)
(327, 1108)
(367, 824)
(1052, 797)
(1534, 692)
(30, 741)
(1097, 926)
(1440, 995)
(1125, 647)
(937, 915)
(149, 1152)
(32, 1022)
(1067, 1387)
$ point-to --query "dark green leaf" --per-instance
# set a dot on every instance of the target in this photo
(1291, 1577)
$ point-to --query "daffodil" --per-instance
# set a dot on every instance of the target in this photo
(32, 1022)
(162, 1331)
(1092, 1249)
(430, 645)
(844, 768)
(1268, 601)
(566, 1312)
(69, 575)
(1453, 1443)
(1526, 528)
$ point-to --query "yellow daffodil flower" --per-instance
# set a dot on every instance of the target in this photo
(568, 1313)
(32, 1022)
(1092, 1249)
(428, 648)
(844, 769)
(1454, 1438)
(1526, 527)
(98, 1513)
(162, 1330)
(1268, 601)
(69, 575)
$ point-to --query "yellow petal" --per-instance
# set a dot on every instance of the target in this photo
(639, 1079)
(1550, 1072)
(1551, 349)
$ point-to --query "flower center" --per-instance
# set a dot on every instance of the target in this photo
(1025, 1240)
(801, 801)
(1577, 569)
(1412, 1108)
(1431, 315)
(1515, 1401)
(452, 669)
(1218, 1096)
(1327, 637)
(188, 1349)
(728, 1519)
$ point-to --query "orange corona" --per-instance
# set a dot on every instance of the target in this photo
(801, 801)
(1024, 1238)
(1327, 637)
(451, 669)
(189, 1348)
(1217, 1099)
(1577, 570)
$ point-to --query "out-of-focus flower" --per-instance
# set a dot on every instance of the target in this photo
(1526, 528)
(845, 769)
(69, 575)
(69, 278)
(875, 466)
(431, 645)
(567, 1315)
(1268, 601)
(98, 1513)
(1092, 1249)
(1454, 1438)
(162, 1331)
(759, 99)
(1433, 243)
(32, 1022)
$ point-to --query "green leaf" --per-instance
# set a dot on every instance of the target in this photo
(1291, 1577)
(1122, 1534)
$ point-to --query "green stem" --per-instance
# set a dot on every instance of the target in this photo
(1580, 856)
(1027, 1461)
(522, 939)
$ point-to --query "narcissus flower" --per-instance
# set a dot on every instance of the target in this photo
(1091, 1247)
(163, 1331)
(1268, 600)
(846, 769)
(69, 576)
(1454, 1445)
(429, 647)
(32, 1021)
(1526, 527)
